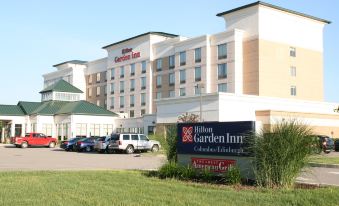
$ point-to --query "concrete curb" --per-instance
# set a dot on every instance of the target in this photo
(313, 164)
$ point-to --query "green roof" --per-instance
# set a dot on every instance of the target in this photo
(62, 86)
(49, 107)
(28, 107)
(84, 108)
(11, 110)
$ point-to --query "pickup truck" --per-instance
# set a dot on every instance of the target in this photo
(34, 139)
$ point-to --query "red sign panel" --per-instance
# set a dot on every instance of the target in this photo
(215, 165)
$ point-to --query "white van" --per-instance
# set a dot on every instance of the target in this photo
(130, 142)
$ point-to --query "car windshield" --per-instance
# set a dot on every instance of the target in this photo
(101, 139)
(73, 139)
(115, 137)
(329, 141)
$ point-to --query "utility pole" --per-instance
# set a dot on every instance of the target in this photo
(199, 88)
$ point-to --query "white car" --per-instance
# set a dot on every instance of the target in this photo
(130, 142)
(101, 144)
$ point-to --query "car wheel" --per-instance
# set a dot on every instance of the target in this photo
(88, 149)
(129, 149)
(51, 145)
(155, 148)
(24, 145)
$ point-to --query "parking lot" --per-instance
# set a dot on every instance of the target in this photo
(12, 158)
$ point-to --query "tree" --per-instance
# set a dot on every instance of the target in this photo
(336, 109)
(188, 118)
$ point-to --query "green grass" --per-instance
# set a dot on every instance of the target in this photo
(133, 188)
(324, 159)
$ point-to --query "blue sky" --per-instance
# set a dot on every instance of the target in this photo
(37, 34)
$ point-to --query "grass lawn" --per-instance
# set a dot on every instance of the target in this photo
(133, 188)
(325, 159)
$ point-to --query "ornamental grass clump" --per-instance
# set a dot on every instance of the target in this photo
(281, 153)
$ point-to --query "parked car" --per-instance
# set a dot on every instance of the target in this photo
(69, 145)
(86, 144)
(129, 142)
(34, 139)
(326, 143)
(101, 144)
(336, 145)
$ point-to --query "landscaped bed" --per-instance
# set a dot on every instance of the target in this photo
(134, 188)
(325, 159)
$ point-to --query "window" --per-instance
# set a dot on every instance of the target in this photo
(94, 129)
(105, 103)
(112, 88)
(158, 81)
(293, 91)
(89, 92)
(105, 75)
(197, 74)
(222, 87)
(143, 111)
(197, 55)
(98, 77)
(143, 99)
(122, 72)
(143, 82)
(197, 90)
(132, 85)
(182, 92)
(182, 58)
(112, 102)
(105, 89)
(293, 52)
(107, 129)
(222, 71)
(171, 62)
(171, 79)
(159, 64)
(131, 114)
(122, 87)
(182, 76)
(81, 130)
(222, 51)
(132, 69)
(98, 103)
(158, 95)
(143, 67)
(90, 79)
(293, 71)
(171, 93)
(131, 100)
(122, 101)
(125, 137)
(98, 91)
(112, 73)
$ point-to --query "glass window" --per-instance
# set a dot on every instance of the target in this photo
(158, 95)
(197, 73)
(293, 52)
(98, 77)
(222, 51)
(98, 102)
(171, 78)
(122, 101)
(143, 99)
(143, 67)
(222, 87)
(112, 73)
(143, 137)
(142, 112)
(132, 84)
(171, 93)
(112, 102)
(197, 90)
(131, 114)
(122, 71)
(159, 81)
(182, 92)
(132, 69)
(81, 130)
(293, 71)
(98, 91)
(125, 137)
(122, 86)
(293, 91)
(159, 64)
(143, 82)
(182, 76)
(197, 55)
(182, 58)
(131, 98)
(112, 88)
(135, 137)
(222, 71)
(90, 79)
(171, 62)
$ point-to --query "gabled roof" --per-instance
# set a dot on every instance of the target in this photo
(49, 107)
(71, 62)
(11, 110)
(28, 107)
(84, 108)
(148, 33)
(274, 7)
(62, 86)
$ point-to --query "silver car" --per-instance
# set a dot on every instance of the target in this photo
(101, 144)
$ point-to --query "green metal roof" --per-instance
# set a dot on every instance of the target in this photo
(49, 107)
(28, 107)
(11, 110)
(62, 86)
(84, 108)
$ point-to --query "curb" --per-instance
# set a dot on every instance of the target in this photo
(313, 164)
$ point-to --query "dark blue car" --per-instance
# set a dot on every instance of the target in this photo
(69, 145)
(86, 145)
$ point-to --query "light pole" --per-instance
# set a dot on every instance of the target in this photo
(199, 88)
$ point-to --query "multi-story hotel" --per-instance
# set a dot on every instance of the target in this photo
(268, 60)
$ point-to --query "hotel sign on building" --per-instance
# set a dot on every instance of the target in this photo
(127, 54)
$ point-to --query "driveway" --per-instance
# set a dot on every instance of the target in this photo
(12, 158)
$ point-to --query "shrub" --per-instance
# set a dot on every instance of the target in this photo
(189, 173)
(232, 175)
(170, 170)
(281, 153)
(171, 143)
(206, 175)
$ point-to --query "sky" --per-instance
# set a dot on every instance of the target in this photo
(36, 34)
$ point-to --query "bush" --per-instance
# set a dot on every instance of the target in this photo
(232, 176)
(189, 173)
(170, 170)
(171, 143)
(280, 154)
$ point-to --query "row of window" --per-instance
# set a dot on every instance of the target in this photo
(131, 100)
(132, 70)
(98, 78)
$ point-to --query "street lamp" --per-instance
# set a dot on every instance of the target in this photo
(199, 87)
